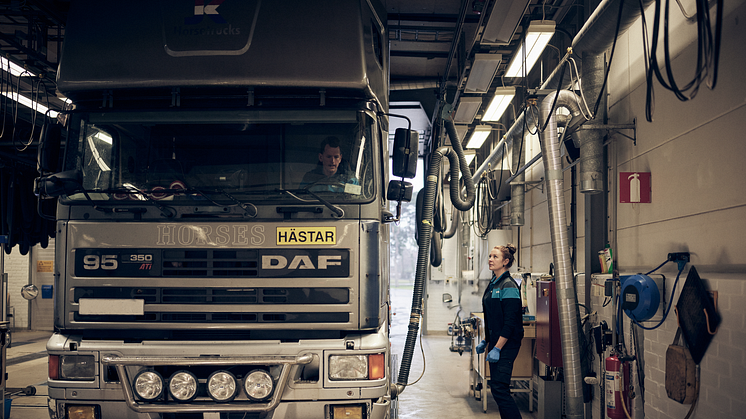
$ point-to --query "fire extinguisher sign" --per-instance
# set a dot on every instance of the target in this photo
(634, 188)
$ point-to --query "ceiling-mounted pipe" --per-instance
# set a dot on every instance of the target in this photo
(596, 36)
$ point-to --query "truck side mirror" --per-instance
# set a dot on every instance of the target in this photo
(67, 182)
(48, 156)
(399, 191)
(406, 143)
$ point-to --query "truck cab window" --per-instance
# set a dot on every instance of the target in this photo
(247, 159)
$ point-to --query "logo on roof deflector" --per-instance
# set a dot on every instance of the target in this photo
(202, 8)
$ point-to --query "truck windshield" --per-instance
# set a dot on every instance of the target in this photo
(222, 157)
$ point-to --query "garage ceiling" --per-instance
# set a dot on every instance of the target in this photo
(433, 44)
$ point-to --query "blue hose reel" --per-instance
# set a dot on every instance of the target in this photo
(640, 297)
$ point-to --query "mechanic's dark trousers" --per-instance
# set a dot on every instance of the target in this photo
(500, 373)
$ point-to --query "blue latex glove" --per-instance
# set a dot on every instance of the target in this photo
(481, 347)
(494, 355)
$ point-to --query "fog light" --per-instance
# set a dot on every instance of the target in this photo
(81, 412)
(221, 386)
(182, 386)
(148, 385)
(258, 385)
(347, 412)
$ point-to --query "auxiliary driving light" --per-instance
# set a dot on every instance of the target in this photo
(82, 412)
(148, 385)
(182, 386)
(258, 385)
(221, 386)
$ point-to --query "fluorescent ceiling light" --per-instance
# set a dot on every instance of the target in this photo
(467, 109)
(469, 156)
(482, 71)
(537, 37)
(481, 132)
(504, 19)
(498, 104)
(14, 68)
(23, 100)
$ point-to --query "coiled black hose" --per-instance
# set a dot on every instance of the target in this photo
(424, 235)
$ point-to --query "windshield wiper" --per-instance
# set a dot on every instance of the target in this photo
(336, 210)
(245, 206)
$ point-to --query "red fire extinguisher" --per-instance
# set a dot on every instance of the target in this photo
(617, 384)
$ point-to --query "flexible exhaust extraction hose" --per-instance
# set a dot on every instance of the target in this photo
(458, 164)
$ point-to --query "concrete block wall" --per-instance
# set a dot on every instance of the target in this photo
(723, 368)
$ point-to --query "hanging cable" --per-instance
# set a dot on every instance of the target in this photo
(708, 53)
(576, 80)
(611, 58)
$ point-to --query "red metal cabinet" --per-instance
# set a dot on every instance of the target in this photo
(548, 344)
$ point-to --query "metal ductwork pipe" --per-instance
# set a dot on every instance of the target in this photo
(518, 188)
(591, 141)
(567, 300)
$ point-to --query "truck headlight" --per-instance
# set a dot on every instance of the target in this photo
(221, 386)
(357, 367)
(77, 367)
(258, 385)
(348, 367)
(148, 385)
(182, 386)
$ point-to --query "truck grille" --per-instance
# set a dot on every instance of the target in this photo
(210, 263)
(219, 295)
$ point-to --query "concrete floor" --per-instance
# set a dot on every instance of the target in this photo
(444, 391)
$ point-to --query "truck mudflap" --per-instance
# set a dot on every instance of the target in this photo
(286, 362)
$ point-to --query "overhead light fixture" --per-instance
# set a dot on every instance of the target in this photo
(13, 68)
(500, 101)
(478, 136)
(482, 71)
(23, 100)
(536, 39)
(469, 156)
(504, 19)
(467, 109)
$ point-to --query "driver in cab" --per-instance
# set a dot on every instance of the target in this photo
(331, 173)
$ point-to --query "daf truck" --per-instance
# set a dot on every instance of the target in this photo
(197, 274)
